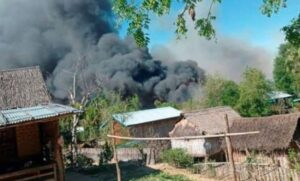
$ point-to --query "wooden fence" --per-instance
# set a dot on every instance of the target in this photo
(247, 172)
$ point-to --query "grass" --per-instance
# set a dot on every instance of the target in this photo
(130, 172)
(161, 177)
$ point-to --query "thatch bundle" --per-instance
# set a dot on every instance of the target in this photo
(276, 132)
(204, 121)
(23, 87)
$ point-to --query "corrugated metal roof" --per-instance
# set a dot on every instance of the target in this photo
(278, 95)
(19, 115)
(145, 116)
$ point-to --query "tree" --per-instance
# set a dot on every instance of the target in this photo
(287, 69)
(253, 99)
(220, 92)
(137, 14)
(98, 113)
(292, 32)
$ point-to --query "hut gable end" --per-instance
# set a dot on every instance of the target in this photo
(21, 88)
(208, 121)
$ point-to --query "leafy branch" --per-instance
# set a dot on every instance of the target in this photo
(137, 12)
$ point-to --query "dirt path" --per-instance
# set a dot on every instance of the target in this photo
(176, 171)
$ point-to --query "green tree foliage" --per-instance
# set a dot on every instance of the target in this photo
(220, 92)
(98, 114)
(292, 32)
(138, 12)
(253, 99)
(287, 69)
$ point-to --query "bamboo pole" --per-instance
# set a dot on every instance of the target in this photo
(229, 148)
(182, 138)
(115, 154)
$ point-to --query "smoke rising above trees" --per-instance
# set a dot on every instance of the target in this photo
(76, 38)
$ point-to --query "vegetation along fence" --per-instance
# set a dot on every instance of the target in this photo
(247, 172)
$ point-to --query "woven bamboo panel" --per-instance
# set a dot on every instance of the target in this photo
(28, 140)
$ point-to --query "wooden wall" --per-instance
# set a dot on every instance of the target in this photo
(8, 149)
(28, 140)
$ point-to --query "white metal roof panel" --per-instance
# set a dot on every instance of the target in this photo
(146, 116)
(14, 116)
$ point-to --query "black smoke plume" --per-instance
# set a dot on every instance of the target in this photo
(68, 38)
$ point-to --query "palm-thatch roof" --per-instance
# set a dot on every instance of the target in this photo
(24, 87)
(204, 121)
(276, 132)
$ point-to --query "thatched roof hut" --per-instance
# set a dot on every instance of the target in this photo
(206, 121)
(29, 131)
(22, 87)
(276, 132)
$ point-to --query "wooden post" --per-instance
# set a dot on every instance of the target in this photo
(229, 149)
(115, 154)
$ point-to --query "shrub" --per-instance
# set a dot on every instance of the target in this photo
(84, 162)
(106, 154)
(177, 157)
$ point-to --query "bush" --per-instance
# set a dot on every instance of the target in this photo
(177, 157)
(106, 154)
(84, 162)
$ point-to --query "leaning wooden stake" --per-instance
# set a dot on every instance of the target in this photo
(229, 149)
(116, 155)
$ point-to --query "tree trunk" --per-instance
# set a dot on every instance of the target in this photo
(74, 141)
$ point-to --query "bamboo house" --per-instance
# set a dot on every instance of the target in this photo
(277, 134)
(202, 122)
(30, 147)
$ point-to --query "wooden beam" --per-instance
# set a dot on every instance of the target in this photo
(182, 138)
(229, 149)
(119, 178)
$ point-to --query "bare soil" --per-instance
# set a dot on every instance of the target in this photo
(177, 171)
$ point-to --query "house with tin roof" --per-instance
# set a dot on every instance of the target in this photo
(30, 147)
(157, 122)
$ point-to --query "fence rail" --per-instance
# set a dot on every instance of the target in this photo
(247, 172)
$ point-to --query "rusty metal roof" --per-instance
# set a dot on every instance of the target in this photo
(20, 115)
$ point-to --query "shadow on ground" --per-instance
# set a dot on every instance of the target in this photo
(130, 171)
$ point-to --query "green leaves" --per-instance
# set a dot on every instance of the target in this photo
(205, 27)
(136, 13)
(292, 32)
(270, 7)
(253, 94)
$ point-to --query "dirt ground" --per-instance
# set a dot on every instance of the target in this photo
(175, 171)
(130, 171)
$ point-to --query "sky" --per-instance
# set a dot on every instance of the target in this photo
(244, 37)
(235, 18)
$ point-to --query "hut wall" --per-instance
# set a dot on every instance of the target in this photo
(28, 140)
(193, 147)
(7, 144)
(198, 147)
(154, 129)
(120, 130)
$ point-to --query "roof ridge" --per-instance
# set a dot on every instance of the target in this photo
(210, 108)
(21, 68)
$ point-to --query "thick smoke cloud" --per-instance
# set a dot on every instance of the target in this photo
(75, 37)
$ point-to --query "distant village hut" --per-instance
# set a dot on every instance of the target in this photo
(276, 135)
(30, 147)
(202, 122)
(156, 122)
